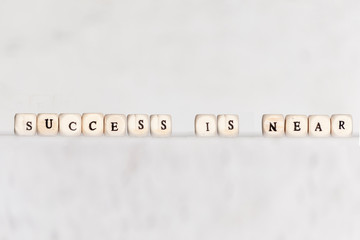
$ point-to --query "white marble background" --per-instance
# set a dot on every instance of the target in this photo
(182, 58)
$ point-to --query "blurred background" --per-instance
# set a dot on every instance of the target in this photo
(181, 58)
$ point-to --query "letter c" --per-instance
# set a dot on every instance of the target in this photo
(91, 127)
(70, 126)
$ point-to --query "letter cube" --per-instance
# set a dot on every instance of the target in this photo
(228, 125)
(70, 124)
(138, 125)
(115, 125)
(205, 125)
(341, 125)
(273, 125)
(160, 125)
(25, 124)
(319, 126)
(47, 124)
(296, 125)
(92, 124)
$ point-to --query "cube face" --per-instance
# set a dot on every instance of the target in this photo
(47, 124)
(70, 124)
(92, 124)
(319, 126)
(25, 124)
(228, 125)
(296, 126)
(161, 125)
(273, 125)
(341, 125)
(205, 125)
(115, 125)
(138, 125)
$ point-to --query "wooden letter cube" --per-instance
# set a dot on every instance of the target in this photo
(273, 125)
(296, 125)
(205, 125)
(92, 124)
(319, 126)
(138, 125)
(160, 125)
(228, 125)
(70, 124)
(47, 124)
(341, 125)
(25, 124)
(115, 125)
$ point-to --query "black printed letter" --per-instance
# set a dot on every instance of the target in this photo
(341, 125)
(231, 125)
(273, 127)
(163, 124)
(318, 127)
(297, 126)
(141, 124)
(114, 126)
(70, 124)
(90, 126)
(29, 126)
(47, 123)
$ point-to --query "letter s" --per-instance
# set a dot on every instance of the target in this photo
(141, 124)
(163, 125)
(29, 126)
(231, 125)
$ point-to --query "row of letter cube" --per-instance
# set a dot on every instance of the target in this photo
(208, 125)
(339, 125)
(92, 124)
